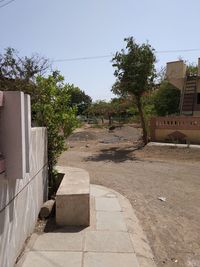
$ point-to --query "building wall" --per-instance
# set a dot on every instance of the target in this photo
(161, 127)
(175, 73)
(21, 200)
(161, 135)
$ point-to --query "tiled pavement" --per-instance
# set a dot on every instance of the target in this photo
(114, 239)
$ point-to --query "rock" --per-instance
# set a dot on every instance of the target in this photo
(162, 199)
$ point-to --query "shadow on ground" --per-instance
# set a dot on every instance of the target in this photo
(52, 227)
(115, 154)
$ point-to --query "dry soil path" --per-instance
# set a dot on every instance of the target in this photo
(172, 226)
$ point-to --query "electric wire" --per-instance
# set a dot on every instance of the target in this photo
(6, 3)
(111, 55)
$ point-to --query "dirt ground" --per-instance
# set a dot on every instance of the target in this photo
(113, 159)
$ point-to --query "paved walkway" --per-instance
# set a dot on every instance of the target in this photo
(114, 238)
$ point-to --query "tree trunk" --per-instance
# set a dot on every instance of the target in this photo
(110, 119)
(143, 124)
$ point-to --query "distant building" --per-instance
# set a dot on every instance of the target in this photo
(189, 84)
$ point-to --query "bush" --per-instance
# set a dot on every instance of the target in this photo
(166, 99)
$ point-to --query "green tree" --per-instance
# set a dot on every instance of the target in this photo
(51, 109)
(79, 99)
(98, 108)
(192, 69)
(135, 72)
(166, 99)
(50, 99)
(19, 73)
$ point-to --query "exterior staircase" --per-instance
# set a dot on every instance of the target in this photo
(188, 97)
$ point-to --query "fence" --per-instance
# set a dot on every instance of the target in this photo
(186, 128)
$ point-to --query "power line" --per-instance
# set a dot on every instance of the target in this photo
(6, 3)
(111, 55)
(81, 58)
(177, 51)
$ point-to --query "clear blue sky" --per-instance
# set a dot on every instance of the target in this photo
(82, 28)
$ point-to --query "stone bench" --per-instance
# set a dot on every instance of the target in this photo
(73, 198)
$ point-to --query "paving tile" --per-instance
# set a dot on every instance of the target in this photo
(97, 192)
(110, 195)
(107, 204)
(110, 220)
(92, 259)
(101, 241)
(52, 259)
(59, 241)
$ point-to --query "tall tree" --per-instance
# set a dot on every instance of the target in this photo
(19, 73)
(79, 99)
(135, 72)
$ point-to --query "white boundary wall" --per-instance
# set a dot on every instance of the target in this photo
(23, 178)
(21, 199)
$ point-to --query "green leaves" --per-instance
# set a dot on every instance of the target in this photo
(166, 99)
(135, 72)
(50, 108)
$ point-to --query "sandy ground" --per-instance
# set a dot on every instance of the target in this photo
(143, 175)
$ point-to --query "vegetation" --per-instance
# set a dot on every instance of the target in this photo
(166, 99)
(79, 99)
(51, 109)
(50, 99)
(19, 73)
(135, 72)
(192, 69)
(116, 108)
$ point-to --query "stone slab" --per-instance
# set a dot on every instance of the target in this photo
(92, 259)
(51, 259)
(75, 181)
(101, 241)
(73, 198)
(97, 192)
(112, 221)
(64, 241)
(73, 210)
(107, 204)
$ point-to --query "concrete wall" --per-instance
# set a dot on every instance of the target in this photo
(15, 126)
(175, 73)
(161, 135)
(162, 127)
(21, 199)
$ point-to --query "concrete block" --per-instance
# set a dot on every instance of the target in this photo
(73, 198)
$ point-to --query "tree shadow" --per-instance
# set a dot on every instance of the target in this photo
(115, 154)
